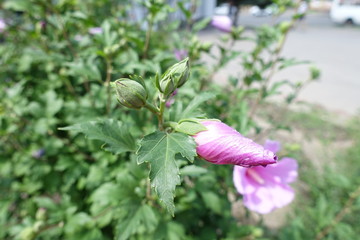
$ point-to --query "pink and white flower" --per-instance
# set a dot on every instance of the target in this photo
(95, 30)
(180, 54)
(265, 189)
(223, 23)
(221, 144)
(2, 25)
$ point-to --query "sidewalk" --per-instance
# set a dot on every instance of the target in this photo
(335, 50)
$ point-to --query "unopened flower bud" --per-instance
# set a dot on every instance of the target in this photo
(40, 214)
(174, 77)
(221, 144)
(130, 93)
(285, 26)
(223, 23)
(27, 234)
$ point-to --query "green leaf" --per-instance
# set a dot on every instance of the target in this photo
(192, 109)
(115, 134)
(190, 127)
(137, 216)
(193, 170)
(212, 201)
(185, 11)
(201, 24)
(285, 63)
(159, 149)
(78, 222)
(17, 5)
(53, 105)
(170, 231)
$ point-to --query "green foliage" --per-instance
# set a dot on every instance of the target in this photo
(56, 75)
(116, 136)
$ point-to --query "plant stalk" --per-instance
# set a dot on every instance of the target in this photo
(107, 84)
(148, 36)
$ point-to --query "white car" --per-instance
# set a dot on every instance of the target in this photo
(345, 11)
(258, 12)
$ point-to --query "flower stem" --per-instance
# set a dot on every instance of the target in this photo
(170, 124)
(107, 84)
(148, 36)
(152, 108)
(161, 112)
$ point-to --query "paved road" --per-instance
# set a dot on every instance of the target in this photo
(334, 49)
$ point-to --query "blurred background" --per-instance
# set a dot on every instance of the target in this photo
(282, 70)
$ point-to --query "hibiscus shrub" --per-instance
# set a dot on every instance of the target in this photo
(158, 156)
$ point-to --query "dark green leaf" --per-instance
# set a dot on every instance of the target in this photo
(136, 217)
(169, 231)
(115, 135)
(212, 201)
(159, 149)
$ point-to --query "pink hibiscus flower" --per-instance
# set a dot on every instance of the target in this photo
(221, 144)
(2, 25)
(180, 54)
(265, 189)
(223, 23)
(95, 30)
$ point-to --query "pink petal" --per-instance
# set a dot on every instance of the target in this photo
(180, 54)
(95, 30)
(284, 171)
(243, 184)
(2, 25)
(223, 23)
(266, 199)
(273, 146)
(221, 144)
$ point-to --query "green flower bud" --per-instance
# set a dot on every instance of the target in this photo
(285, 26)
(206, 47)
(27, 234)
(40, 214)
(130, 93)
(315, 73)
(174, 77)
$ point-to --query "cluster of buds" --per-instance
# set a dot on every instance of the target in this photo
(133, 93)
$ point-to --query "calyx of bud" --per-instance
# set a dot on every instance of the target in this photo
(130, 93)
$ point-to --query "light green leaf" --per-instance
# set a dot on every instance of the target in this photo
(115, 135)
(137, 216)
(170, 231)
(17, 5)
(78, 222)
(212, 201)
(193, 170)
(191, 111)
(285, 63)
(201, 24)
(190, 127)
(53, 105)
(159, 149)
